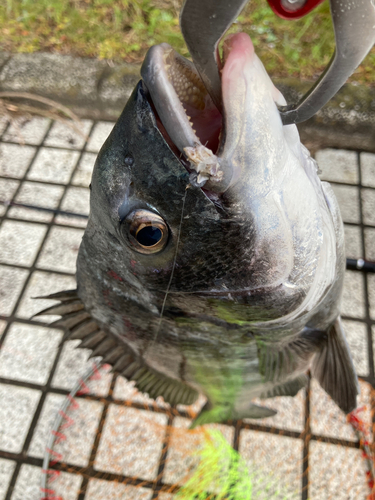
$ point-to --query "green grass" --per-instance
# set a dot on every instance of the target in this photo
(123, 30)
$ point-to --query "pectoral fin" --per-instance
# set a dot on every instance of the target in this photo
(289, 388)
(333, 368)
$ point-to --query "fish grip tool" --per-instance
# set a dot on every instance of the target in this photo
(203, 24)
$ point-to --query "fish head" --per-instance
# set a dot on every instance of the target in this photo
(198, 213)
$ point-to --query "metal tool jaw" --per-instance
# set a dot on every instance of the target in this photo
(204, 23)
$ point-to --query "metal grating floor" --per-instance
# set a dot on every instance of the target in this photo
(114, 442)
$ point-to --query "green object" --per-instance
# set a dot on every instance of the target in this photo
(221, 473)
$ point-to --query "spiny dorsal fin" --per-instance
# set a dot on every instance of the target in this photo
(80, 325)
(333, 368)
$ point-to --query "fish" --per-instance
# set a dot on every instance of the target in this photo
(213, 259)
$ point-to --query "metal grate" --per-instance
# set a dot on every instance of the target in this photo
(35, 377)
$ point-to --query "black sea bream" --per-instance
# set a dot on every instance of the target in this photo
(213, 258)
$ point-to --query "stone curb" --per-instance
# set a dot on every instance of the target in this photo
(100, 89)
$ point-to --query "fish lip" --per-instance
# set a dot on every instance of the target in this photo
(190, 120)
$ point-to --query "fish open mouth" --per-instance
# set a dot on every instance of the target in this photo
(186, 115)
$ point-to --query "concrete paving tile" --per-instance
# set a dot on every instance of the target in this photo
(64, 136)
(6, 471)
(338, 165)
(368, 206)
(3, 119)
(40, 284)
(15, 159)
(11, 283)
(370, 243)
(274, 463)
(41, 434)
(368, 169)
(348, 200)
(29, 352)
(326, 417)
(336, 473)
(83, 173)
(20, 242)
(290, 412)
(73, 365)
(371, 294)
(353, 242)
(80, 435)
(356, 335)
(60, 251)
(353, 299)
(99, 135)
(17, 409)
(65, 486)
(131, 442)
(36, 194)
(3, 324)
(27, 130)
(76, 200)
(53, 165)
(99, 489)
(7, 190)
(182, 457)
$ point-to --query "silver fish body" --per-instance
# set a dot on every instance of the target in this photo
(213, 258)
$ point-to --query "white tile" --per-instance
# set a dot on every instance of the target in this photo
(76, 200)
(28, 486)
(6, 472)
(3, 325)
(290, 412)
(64, 136)
(74, 365)
(15, 159)
(11, 283)
(53, 165)
(368, 206)
(20, 242)
(80, 435)
(42, 432)
(29, 352)
(184, 445)
(348, 200)
(370, 243)
(83, 173)
(338, 165)
(41, 284)
(99, 135)
(371, 293)
(368, 169)
(38, 195)
(328, 420)
(356, 335)
(336, 473)
(131, 442)
(353, 242)
(353, 300)
(16, 412)
(274, 462)
(100, 489)
(60, 251)
(7, 190)
(27, 130)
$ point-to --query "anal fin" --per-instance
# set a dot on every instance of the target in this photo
(333, 368)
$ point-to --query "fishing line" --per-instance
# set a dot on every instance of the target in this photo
(173, 267)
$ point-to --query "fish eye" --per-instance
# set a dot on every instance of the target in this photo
(147, 232)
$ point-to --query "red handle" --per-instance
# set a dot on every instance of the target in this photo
(286, 10)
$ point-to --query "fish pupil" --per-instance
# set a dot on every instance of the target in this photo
(149, 236)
